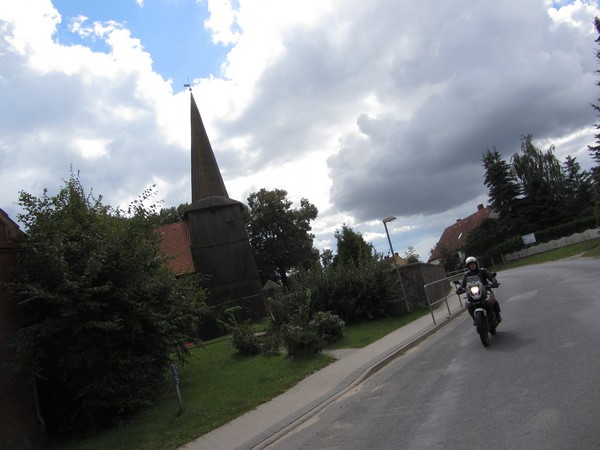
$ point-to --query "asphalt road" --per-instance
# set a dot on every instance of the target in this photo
(535, 387)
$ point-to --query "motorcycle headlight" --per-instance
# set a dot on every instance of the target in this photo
(474, 291)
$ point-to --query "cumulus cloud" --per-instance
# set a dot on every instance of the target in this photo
(368, 109)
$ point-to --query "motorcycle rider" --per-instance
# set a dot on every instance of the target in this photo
(485, 277)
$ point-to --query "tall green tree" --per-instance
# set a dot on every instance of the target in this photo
(280, 234)
(539, 173)
(542, 184)
(411, 256)
(169, 215)
(482, 240)
(594, 150)
(578, 195)
(104, 315)
(449, 259)
(500, 179)
(327, 258)
(351, 247)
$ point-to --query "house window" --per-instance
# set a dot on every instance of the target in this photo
(460, 235)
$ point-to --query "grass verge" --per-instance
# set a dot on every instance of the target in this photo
(360, 335)
(589, 248)
(218, 385)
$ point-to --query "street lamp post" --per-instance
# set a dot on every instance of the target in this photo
(385, 221)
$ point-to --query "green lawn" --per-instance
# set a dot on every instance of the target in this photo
(362, 334)
(218, 385)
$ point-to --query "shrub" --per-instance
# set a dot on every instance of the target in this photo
(243, 337)
(245, 340)
(515, 243)
(270, 342)
(92, 284)
(209, 325)
(566, 229)
(369, 289)
(300, 341)
(329, 326)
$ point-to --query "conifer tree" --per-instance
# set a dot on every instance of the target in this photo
(501, 182)
(595, 150)
(578, 193)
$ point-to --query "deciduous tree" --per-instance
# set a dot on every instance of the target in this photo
(411, 255)
(351, 247)
(279, 234)
(542, 182)
(539, 173)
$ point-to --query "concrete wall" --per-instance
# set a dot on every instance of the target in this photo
(414, 277)
(20, 427)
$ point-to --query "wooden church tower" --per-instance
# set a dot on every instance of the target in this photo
(219, 241)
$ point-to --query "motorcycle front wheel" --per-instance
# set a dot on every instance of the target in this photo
(482, 328)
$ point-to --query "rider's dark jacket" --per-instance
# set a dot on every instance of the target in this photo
(483, 274)
(485, 277)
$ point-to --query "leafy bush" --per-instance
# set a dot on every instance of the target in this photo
(305, 333)
(329, 326)
(365, 290)
(270, 342)
(209, 325)
(300, 341)
(515, 243)
(103, 313)
(298, 337)
(567, 229)
(245, 340)
(243, 337)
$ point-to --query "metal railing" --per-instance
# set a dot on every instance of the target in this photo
(439, 291)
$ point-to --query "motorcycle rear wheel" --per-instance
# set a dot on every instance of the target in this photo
(482, 328)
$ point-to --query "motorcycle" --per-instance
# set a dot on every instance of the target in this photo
(482, 298)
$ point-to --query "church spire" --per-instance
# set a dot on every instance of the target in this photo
(206, 176)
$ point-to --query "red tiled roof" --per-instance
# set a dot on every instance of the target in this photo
(9, 231)
(455, 235)
(176, 245)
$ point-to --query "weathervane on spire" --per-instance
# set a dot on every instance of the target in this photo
(188, 85)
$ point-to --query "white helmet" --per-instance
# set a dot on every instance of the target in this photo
(471, 259)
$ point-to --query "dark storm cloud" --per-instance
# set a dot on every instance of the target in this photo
(494, 85)
(453, 80)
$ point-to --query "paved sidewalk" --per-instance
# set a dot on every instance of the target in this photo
(265, 424)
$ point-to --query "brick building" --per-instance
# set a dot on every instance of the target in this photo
(454, 237)
(20, 424)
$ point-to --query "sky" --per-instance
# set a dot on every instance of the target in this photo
(366, 109)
